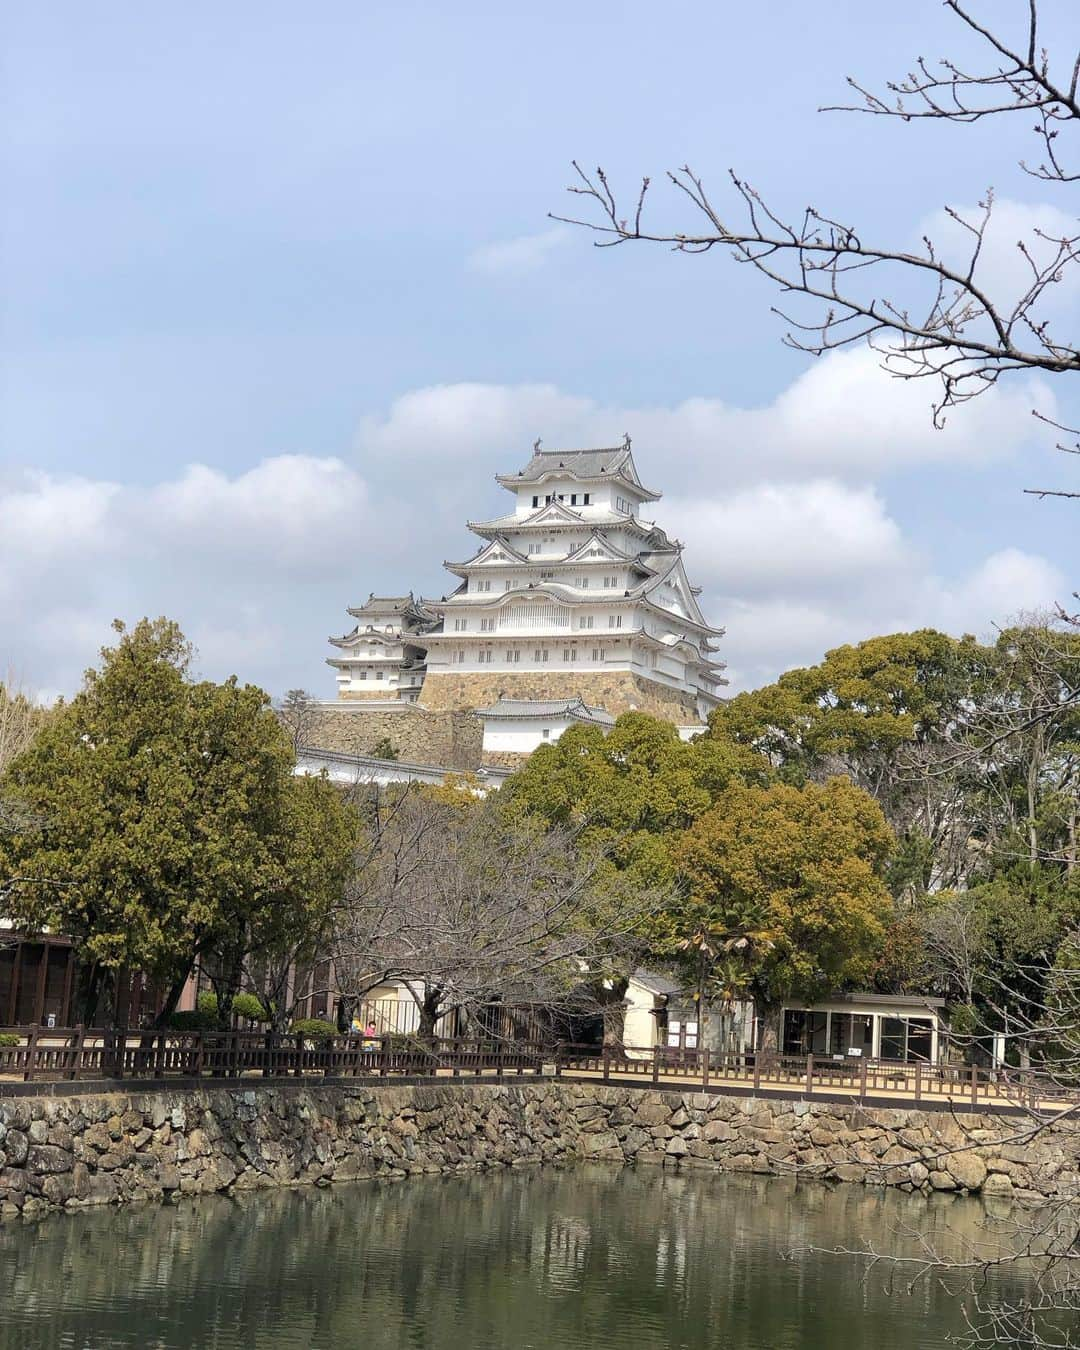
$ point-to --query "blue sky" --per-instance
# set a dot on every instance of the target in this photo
(280, 294)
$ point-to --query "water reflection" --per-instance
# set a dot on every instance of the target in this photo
(583, 1260)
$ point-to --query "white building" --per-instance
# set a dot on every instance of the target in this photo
(573, 583)
(382, 658)
(572, 603)
(518, 726)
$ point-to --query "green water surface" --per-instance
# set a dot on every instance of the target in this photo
(580, 1260)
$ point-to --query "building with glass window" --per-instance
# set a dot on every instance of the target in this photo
(906, 1027)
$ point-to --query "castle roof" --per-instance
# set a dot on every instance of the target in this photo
(575, 709)
(590, 466)
(545, 518)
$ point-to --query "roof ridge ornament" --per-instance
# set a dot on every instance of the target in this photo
(626, 440)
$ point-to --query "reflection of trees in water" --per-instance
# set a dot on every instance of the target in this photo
(493, 1260)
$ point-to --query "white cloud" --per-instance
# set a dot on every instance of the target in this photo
(782, 510)
(1005, 585)
(819, 535)
(843, 416)
(515, 257)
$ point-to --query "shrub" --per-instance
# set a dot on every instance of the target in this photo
(384, 749)
(251, 1007)
(8, 1038)
(315, 1028)
(207, 1004)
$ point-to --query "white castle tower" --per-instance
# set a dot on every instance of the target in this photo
(573, 594)
(571, 601)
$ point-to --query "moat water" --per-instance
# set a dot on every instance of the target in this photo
(588, 1259)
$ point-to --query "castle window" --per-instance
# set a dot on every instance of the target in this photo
(536, 501)
(598, 653)
(544, 576)
(363, 674)
(459, 655)
(611, 583)
(546, 733)
(614, 620)
(583, 583)
(534, 548)
(569, 654)
(513, 655)
(585, 621)
(585, 499)
(484, 657)
(573, 499)
(461, 625)
(540, 655)
(487, 625)
(378, 674)
(509, 583)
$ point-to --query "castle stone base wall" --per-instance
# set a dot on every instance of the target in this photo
(449, 738)
(618, 691)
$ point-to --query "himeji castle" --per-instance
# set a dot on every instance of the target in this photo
(573, 608)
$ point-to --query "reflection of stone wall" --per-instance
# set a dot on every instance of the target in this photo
(73, 1150)
(618, 691)
(451, 740)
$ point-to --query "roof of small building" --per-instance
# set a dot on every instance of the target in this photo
(656, 983)
(573, 708)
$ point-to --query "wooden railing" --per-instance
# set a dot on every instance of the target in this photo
(77, 1052)
(807, 1075)
(70, 1053)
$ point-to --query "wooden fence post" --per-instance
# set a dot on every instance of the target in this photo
(974, 1084)
(656, 1064)
(757, 1069)
(607, 1063)
(31, 1055)
(75, 1063)
(918, 1080)
(862, 1078)
(705, 1068)
(809, 1075)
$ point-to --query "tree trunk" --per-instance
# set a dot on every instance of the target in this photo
(172, 998)
(91, 982)
(613, 1011)
(429, 1014)
(768, 1037)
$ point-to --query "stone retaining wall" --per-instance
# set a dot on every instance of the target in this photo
(70, 1151)
(618, 691)
(451, 740)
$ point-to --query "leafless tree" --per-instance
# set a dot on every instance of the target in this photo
(298, 713)
(468, 909)
(20, 717)
(928, 315)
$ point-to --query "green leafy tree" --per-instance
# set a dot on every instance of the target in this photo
(167, 811)
(793, 879)
(630, 793)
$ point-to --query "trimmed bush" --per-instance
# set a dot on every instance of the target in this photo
(315, 1028)
(207, 1004)
(251, 1007)
(9, 1038)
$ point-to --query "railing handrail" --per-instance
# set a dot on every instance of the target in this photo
(150, 1053)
